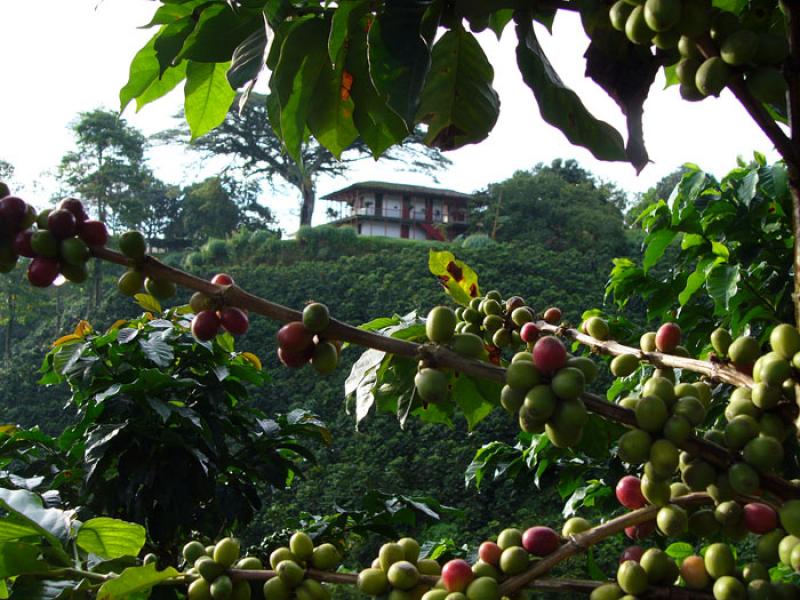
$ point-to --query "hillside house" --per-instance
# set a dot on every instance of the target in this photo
(401, 211)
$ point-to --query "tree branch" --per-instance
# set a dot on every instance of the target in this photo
(583, 541)
(433, 353)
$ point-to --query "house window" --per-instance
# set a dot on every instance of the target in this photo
(359, 229)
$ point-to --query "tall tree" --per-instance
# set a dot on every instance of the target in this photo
(107, 169)
(216, 207)
(247, 138)
(560, 205)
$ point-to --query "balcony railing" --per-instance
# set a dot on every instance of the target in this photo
(396, 213)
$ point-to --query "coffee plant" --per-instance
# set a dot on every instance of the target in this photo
(700, 415)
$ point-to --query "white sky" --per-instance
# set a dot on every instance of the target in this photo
(61, 57)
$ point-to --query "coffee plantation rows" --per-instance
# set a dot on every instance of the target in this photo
(723, 484)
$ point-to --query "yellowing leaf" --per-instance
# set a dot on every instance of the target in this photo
(8, 428)
(458, 279)
(148, 302)
(117, 324)
(70, 337)
(252, 358)
(83, 328)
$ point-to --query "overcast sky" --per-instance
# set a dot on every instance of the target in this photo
(61, 57)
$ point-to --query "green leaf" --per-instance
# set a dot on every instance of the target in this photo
(399, 57)
(162, 86)
(347, 16)
(143, 72)
(361, 381)
(208, 96)
(657, 243)
(158, 349)
(148, 302)
(378, 125)
(470, 400)
(722, 283)
(734, 6)
(499, 19)
(302, 57)
(458, 101)
(29, 588)
(219, 31)
(330, 114)
(17, 558)
(27, 507)
(134, 579)
(248, 58)
(746, 190)
(679, 550)
(560, 106)
(11, 530)
(169, 41)
(458, 279)
(693, 283)
(111, 538)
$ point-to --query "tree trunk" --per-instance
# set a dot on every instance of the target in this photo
(12, 317)
(307, 207)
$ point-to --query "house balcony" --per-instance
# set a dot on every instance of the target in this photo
(396, 214)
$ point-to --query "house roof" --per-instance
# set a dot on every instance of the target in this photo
(383, 186)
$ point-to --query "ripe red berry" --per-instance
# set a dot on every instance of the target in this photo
(295, 338)
(540, 541)
(12, 212)
(205, 325)
(74, 206)
(22, 243)
(457, 575)
(94, 233)
(42, 272)
(668, 337)
(489, 552)
(549, 354)
(234, 320)
(629, 492)
(222, 279)
(529, 333)
(552, 315)
(633, 553)
(62, 223)
(760, 518)
(294, 360)
(640, 531)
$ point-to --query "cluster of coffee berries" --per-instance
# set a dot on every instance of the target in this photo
(479, 331)
(753, 44)
(208, 565)
(290, 564)
(397, 570)
(58, 241)
(133, 245)
(301, 342)
(210, 316)
(544, 387)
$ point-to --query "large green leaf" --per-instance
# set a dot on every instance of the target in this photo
(560, 106)
(399, 57)
(144, 71)
(458, 101)
(378, 125)
(11, 530)
(17, 558)
(27, 507)
(302, 58)
(29, 588)
(132, 580)
(657, 243)
(347, 17)
(162, 86)
(470, 400)
(169, 42)
(330, 114)
(722, 283)
(111, 538)
(208, 96)
(219, 31)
